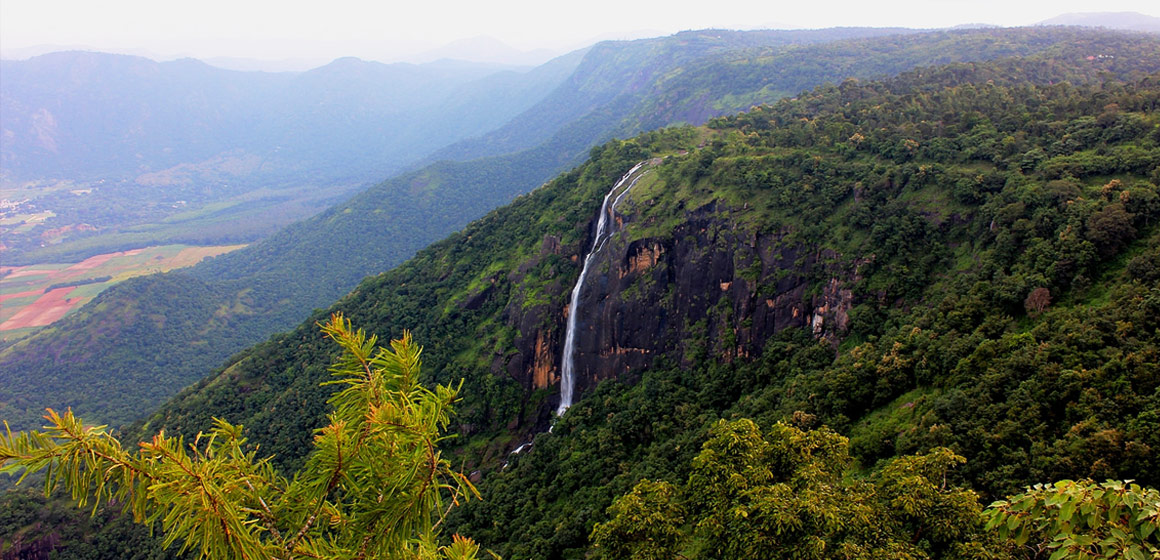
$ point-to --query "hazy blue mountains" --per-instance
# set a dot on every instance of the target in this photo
(123, 152)
(1131, 21)
(273, 284)
(83, 115)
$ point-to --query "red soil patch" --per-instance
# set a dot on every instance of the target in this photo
(94, 262)
(20, 295)
(44, 311)
(67, 274)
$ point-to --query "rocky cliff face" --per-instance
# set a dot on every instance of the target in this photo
(712, 287)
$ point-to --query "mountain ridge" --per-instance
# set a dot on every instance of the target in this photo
(892, 278)
(1132, 21)
(181, 152)
(268, 287)
(904, 231)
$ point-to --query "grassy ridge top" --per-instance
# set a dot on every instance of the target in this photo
(961, 190)
(621, 88)
(952, 194)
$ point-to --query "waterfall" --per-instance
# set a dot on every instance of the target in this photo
(604, 230)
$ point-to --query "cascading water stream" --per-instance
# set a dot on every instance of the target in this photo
(605, 228)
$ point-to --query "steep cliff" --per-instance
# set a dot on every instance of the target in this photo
(711, 288)
(951, 258)
(828, 214)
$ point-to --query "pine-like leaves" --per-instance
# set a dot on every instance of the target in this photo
(375, 485)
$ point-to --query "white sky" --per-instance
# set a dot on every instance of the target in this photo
(395, 29)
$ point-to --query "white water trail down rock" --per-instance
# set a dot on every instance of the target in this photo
(605, 228)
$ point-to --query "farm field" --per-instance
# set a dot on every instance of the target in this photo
(24, 223)
(37, 295)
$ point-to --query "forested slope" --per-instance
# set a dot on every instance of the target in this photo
(955, 257)
(270, 286)
(1001, 304)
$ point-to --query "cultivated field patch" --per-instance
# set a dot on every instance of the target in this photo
(38, 295)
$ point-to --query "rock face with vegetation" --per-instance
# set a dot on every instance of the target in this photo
(944, 259)
(652, 297)
(618, 89)
(954, 267)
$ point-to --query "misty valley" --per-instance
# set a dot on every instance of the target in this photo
(851, 292)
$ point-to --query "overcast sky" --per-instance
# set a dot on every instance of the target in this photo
(390, 30)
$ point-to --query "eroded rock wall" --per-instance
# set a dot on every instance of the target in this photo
(711, 286)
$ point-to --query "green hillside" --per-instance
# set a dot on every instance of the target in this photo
(270, 286)
(963, 256)
(955, 257)
(993, 307)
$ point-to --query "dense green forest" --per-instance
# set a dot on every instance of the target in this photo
(123, 364)
(964, 258)
(1009, 311)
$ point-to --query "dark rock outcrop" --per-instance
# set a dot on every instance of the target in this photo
(711, 287)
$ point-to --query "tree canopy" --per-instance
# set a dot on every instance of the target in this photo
(790, 493)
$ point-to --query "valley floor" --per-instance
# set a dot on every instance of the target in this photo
(38, 295)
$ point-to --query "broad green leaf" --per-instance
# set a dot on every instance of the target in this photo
(1066, 511)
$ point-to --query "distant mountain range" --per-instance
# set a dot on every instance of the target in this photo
(619, 89)
(858, 254)
(184, 152)
(487, 50)
(80, 115)
(483, 48)
(1130, 21)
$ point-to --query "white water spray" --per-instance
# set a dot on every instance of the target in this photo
(604, 230)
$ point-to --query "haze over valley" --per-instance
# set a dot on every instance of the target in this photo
(686, 266)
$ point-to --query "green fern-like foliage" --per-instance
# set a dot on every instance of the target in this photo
(375, 485)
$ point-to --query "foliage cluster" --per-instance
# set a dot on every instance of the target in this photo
(689, 77)
(1081, 520)
(947, 195)
(789, 493)
(374, 486)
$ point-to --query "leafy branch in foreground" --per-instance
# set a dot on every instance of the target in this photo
(375, 485)
(1081, 520)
